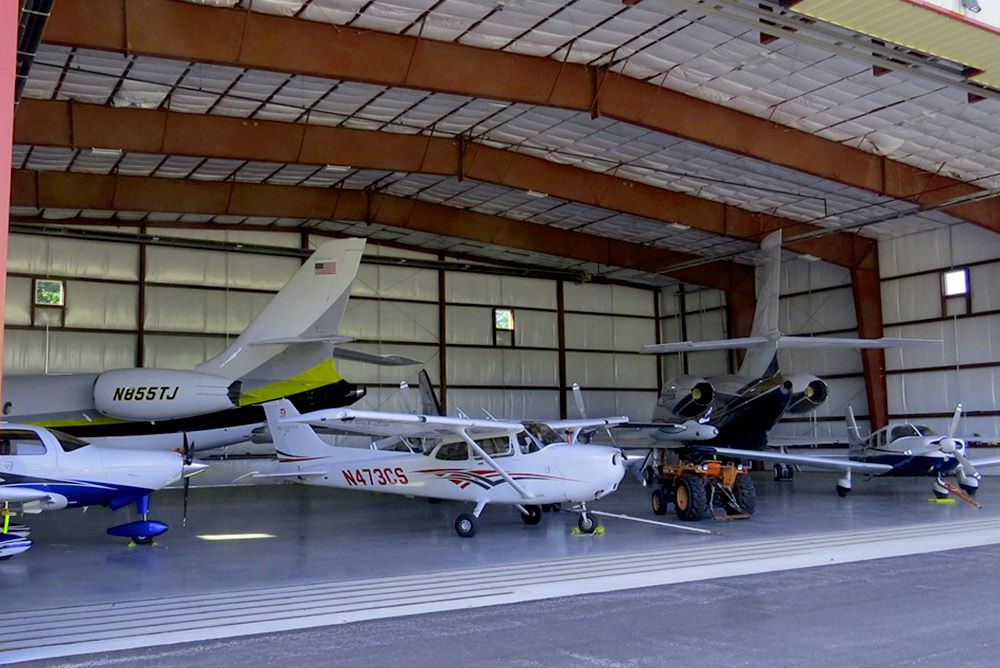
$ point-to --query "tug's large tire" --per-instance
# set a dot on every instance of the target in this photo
(745, 493)
(690, 499)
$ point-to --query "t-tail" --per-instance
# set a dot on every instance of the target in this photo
(293, 441)
(288, 348)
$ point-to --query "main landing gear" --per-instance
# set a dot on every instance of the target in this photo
(467, 525)
(783, 472)
(696, 488)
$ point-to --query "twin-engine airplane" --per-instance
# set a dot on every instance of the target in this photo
(41, 469)
(746, 405)
(902, 449)
(478, 461)
(286, 351)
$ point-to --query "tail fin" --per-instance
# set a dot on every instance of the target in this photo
(293, 440)
(429, 404)
(287, 348)
(759, 357)
(853, 433)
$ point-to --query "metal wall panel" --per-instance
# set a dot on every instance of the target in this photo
(801, 276)
(180, 352)
(820, 312)
(912, 298)
(611, 370)
(373, 374)
(55, 351)
(635, 404)
(184, 266)
(170, 309)
(607, 332)
(485, 289)
(611, 299)
(50, 256)
(502, 366)
(396, 283)
(17, 307)
(502, 404)
(101, 305)
(384, 320)
(473, 325)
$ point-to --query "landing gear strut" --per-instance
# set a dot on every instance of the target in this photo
(586, 523)
(140, 532)
(467, 525)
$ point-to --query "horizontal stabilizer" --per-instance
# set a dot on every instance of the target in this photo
(787, 342)
(333, 338)
(371, 358)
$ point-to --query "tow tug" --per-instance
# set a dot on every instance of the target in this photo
(698, 484)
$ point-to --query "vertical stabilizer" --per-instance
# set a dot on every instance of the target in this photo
(759, 357)
(287, 348)
(293, 440)
(429, 403)
(854, 441)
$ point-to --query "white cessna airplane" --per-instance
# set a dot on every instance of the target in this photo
(478, 461)
(41, 469)
(286, 351)
(901, 449)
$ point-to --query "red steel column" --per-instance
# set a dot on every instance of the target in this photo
(868, 309)
(8, 71)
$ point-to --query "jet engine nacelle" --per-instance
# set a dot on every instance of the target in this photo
(684, 397)
(162, 394)
(808, 392)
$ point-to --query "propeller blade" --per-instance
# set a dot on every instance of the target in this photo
(954, 421)
(967, 466)
(184, 512)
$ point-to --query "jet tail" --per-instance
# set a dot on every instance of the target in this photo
(293, 440)
(429, 403)
(288, 347)
(853, 433)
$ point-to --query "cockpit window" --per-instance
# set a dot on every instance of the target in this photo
(68, 443)
(925, 431)
(456, 451)
(903, 431)
(15, 442)
(542, 433)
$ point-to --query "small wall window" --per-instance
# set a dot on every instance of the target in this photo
(49, 292)
(956, 295)
(503, 319)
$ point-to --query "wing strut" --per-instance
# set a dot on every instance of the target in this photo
(496, 467)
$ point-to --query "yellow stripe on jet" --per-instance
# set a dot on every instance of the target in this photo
(324, 373)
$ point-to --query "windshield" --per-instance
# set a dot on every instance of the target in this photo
(68, 443)
(904, 430)
(542, 433)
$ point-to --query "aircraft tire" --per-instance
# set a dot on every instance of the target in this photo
(466, 525)
(843, 491)
(533, 516)
(586, 523)
(969, 489)
(690, 499)
(659, 500)
(745, 493)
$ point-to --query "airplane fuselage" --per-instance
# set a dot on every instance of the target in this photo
(555, 474)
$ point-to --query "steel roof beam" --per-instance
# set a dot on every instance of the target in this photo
(78, 125)
(65, 190)
(254, 40)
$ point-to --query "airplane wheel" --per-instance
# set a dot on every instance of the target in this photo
(783, 472)
(659, 501)
(533, 516)
(586, 523)
(969, 489)
(843, 491)
(142, 540)
(690, 499)
(745, 493)
(466, 525)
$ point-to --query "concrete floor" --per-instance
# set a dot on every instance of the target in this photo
(327, 538)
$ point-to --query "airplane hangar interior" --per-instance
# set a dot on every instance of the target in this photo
(516, 332)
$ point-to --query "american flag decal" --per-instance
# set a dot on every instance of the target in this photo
(322, 268)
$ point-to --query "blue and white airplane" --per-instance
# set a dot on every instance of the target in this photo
(897, 450)
(42, 469)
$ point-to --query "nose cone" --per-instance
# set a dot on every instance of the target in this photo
(193, 469)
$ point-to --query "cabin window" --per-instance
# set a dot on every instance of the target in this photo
(16, 443)
(496, 447)
(526, 444)
(453, 452)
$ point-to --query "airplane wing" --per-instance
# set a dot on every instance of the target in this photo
(985, 462)
(834, 463)
(586, 423)
(380, 423)
(787, 342)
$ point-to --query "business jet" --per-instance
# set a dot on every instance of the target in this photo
(481, 462)
(286, 351)
(42, 469)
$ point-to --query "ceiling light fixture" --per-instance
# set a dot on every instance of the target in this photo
(106, 152)
(808, 258)
(336, 168)
(535, 193)
(680, 226)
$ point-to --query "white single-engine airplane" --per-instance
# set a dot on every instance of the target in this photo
(901, 449)
(479, 461)
(41, 469)
(286, 351)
